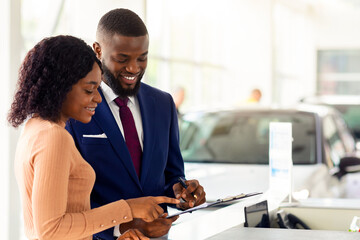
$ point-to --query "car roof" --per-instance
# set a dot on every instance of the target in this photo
(333, 99)
(319, 110)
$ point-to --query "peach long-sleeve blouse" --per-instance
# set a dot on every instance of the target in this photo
(55, 183)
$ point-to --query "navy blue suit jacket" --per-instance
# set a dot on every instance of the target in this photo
(116, 178)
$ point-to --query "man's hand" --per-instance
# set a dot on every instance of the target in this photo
(193, 195)
(159, 227)
(147, 208)
(132, 234)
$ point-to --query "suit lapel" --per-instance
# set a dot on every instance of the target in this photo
(104, 118)
(147, 108)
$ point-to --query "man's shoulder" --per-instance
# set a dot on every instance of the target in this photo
(147, 89)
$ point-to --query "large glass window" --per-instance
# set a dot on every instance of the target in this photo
(217, 51)
(338, 72)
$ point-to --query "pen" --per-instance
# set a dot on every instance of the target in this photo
(182, 182)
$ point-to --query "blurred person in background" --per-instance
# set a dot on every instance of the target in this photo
(255, 96)
(132, 141)
(179, 96)
(58, 80)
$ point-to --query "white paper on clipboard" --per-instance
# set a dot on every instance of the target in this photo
(217, 202)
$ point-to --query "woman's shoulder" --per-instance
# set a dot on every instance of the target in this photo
(46, 130)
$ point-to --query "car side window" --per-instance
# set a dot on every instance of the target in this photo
(351, 115)
(189, 130)
(332, 137)
(347, 137)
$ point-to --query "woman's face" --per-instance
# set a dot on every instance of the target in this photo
(81, 101)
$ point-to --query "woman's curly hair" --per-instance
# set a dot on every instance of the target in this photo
(47, 74)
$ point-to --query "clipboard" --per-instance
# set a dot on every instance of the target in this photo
(217, 202)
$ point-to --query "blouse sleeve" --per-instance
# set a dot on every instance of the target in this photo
(52, 164)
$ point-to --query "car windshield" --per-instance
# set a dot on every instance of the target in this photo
(243, 137)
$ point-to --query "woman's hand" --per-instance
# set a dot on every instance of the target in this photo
(132, 234)
(147, 208)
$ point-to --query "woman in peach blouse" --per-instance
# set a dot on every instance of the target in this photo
(58, 80)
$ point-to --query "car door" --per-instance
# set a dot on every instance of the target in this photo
(345, 133)
(333, 143)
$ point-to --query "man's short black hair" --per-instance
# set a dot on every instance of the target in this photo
(120, 21)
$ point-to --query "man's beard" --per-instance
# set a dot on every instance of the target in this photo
(115, 85)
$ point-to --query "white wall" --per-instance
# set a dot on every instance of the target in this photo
(4, 71)
(248, 55)
(9, 63)
(217, 50)
(294, 62)
(338, 27)
(84, 25)
(78, 18)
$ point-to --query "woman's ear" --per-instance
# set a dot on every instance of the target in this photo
(97, 50)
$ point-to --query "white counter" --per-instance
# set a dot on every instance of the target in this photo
(283, 234)
(203, 224)
(325, 214)
(218, 223)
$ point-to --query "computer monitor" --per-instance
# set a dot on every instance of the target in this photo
(257, 215)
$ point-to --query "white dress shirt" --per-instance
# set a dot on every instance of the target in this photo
(133, 104)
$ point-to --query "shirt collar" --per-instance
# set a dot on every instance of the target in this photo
(110, 95)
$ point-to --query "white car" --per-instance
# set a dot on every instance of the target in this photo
(228, 150)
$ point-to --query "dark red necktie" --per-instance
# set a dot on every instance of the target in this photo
(131, 136)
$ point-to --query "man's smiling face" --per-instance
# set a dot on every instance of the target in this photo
(124, 62)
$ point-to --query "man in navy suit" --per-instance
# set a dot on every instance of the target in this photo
(122, 46)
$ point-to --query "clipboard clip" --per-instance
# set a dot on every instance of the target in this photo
(239, 196)
(231, 198)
